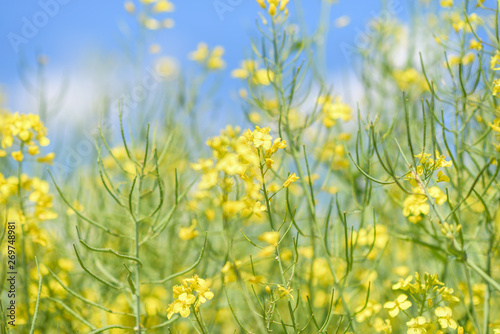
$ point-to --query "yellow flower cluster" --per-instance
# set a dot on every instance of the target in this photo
(429, 292)
(37, 191)
(459, 23)
(238, 155)
(155, 7)
(189, 296)
(23, 130)
(425, 285)
(250, 70)
(416, 205)
(446, 3)
(427, 167)
(334, 150)
(334, 109)
(495, 66)
(496, 128)
(273, 6)
(374, 240)
(409, 79)
(211, 59)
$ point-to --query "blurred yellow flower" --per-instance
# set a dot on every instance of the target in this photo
(189, 233)
(162, 6)
(271, 238)
(48, 159)
(334, 109)
(212, 59)
(18, 156)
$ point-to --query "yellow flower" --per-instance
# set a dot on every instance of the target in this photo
(48, 159)
(277, 144)
(66, 264)
(272, 9)
(215, 61)
(400, 304)
(271, 238)
(408, 78)
(495, 61)
(415, 206)
(382, 326)
(263, 77)
(274, 6)
(26, 127)
(260, 137)
(438, 195)
(200, 54)
(151, 23)
(203, 290)
(18, 156)
(181, 305)
(189, 233)
(475, 45)
(403, 284)
(496, 87)
(449, 230)
(291, 178)
(416, 326)
(446, 3)
(162, 6)
(441, 177)
(249, 69)
(363, 313)
(255, 117)
(33, 150)
(468, 58)
(334, 109)
(496, 125)
(440, 162)
(212, 59)
(285, 293)
(185, 295)
(444, 317)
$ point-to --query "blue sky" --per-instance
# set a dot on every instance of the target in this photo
(79, 28)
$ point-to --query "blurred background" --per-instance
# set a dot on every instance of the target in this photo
(82, 35)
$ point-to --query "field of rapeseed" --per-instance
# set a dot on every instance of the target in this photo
(377, 212)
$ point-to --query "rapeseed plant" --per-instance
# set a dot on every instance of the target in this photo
(319, 214)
